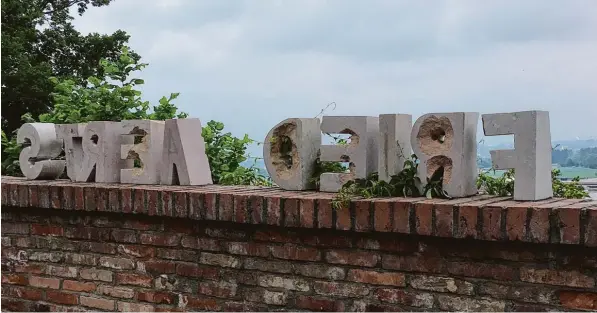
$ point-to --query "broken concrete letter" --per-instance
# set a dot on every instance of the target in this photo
(40, 146)
(184, 161)
(531, 157)
(71, 135)
(394, 143)
(145, 150)
(447, 142)
(290, 151)
(101, 153)
(360, 152)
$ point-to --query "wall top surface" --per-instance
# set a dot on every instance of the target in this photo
(482, 217)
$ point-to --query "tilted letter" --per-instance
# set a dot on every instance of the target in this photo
(71, 135)
(361, 152)
(394, 143)
(448, 141)
(147, 152)
(290, 151)
(531, 157)
(184, 161)
(40, 145)
(101, 153)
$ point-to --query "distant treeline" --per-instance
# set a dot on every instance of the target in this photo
(585, 157)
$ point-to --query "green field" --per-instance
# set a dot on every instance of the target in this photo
(566, 172)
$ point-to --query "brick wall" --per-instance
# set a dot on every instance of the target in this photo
(106, 247)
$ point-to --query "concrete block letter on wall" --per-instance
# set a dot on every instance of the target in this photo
(40, 146)
(394, 143)
(146, 149)
(71, 135)
(448, 141)
(101, 153)
(184, 161)
(360, 153)
(531, 157)
(290, 151)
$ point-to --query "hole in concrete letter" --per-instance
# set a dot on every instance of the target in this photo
(175, 179)
(283, 151)
(436, 135)
(94, 139)
(438, 163)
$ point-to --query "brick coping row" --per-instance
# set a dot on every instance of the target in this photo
(482, 217)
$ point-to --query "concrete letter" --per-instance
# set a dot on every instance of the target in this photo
(290, 151)
(184, 161)
(40, 145)
(71, 135)
(448, 140)
(148, 152)
(531, 157)
(361, 152)
(101, 153)
(394, 143)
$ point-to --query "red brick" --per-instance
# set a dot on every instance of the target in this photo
(248, 248)
(135, 200)
(424, 218)
(166, 203)
(569, 222)
(382, 216)
(90, 198)
(201, 303)
(23, 196)
(343, 221)
(482, 270)
(377, 278)
(196, 207)
(30, 268)
(98, 303)
(68, 197)
(22, 292)
(219, 289)
(211, 209)
(142, 280)
(124, 235)
(159, 239)
(126, 202)
(62, 297)
(357, 258)
(195, 270)
(160, 267)
(79, 195)
(413, 263)
(318, 304)
(402, 217)
(516, 219)
(340, 289)
(578, 300)
(180, 204)
(539, 225)
(467, 222)
(151, 197)
(159, 297)
(556, 277)
(276, 236)
(591, 228)
(363, 216)
(48, 230)
(324, 213)
(241, 209)
(307, 213)
(294, 252)
(273, 210)
(88, 233)
(256, 203)
(78, 286)
(201, 243)
(328, 240)
(444, 219)
(291, 212)
(398, 296)
(492, 223)
(42, 282)
(14, 279)
(101, 196)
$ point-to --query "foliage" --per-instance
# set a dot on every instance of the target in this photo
(403, 184)
(39, 41)
(10, 163)
(504, 185)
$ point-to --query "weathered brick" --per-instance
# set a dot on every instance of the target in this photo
(467, 222)
(43, 282)
(116, 263)
(62, 271)
(124, 235)
(15, 228)
(527, 293)
(569, 222)
(283, 282)
(87, 233)
(226, 208)
(424, 217)
(61, 297)
(276, 236)
(414, 263)
(578, 300)
(591, 228)
(99, 247)
(343, 220)
(539, 225)
(47, 256)
(357, 258)
(195, 270)
(291, 213)
(116, 291)
(30, 268)
(219, 260)
(324, 213)
(206, 244)
(267, 266)
(398, 296)
(201, 303)
(307, 213)
(159, 297)
(376, 278)
(136, 251)
(96, 274)
(441, 284)
(159, 239)
(248, 248)
(14, 279)
(456, 303)
(6, 242)
(556, 277)
(219, 289)
(340, 289)
(46, 230)
(134, 307)
(160, 267)
(275, 297)
(401, 217)
(135, 279)
(177, 254)
(97, 303)
(362, 215)
(273, 210)
(320, 271)
(382, 216)
(256, 204)
(482, 270)
(295, 252)
(22, 293)
(74, 285)
(318, 304)
(80, 259)
(516, 218)
(492, 222)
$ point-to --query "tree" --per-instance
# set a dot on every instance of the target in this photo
(38, 42)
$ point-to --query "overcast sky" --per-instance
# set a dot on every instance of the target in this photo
(251, 64)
